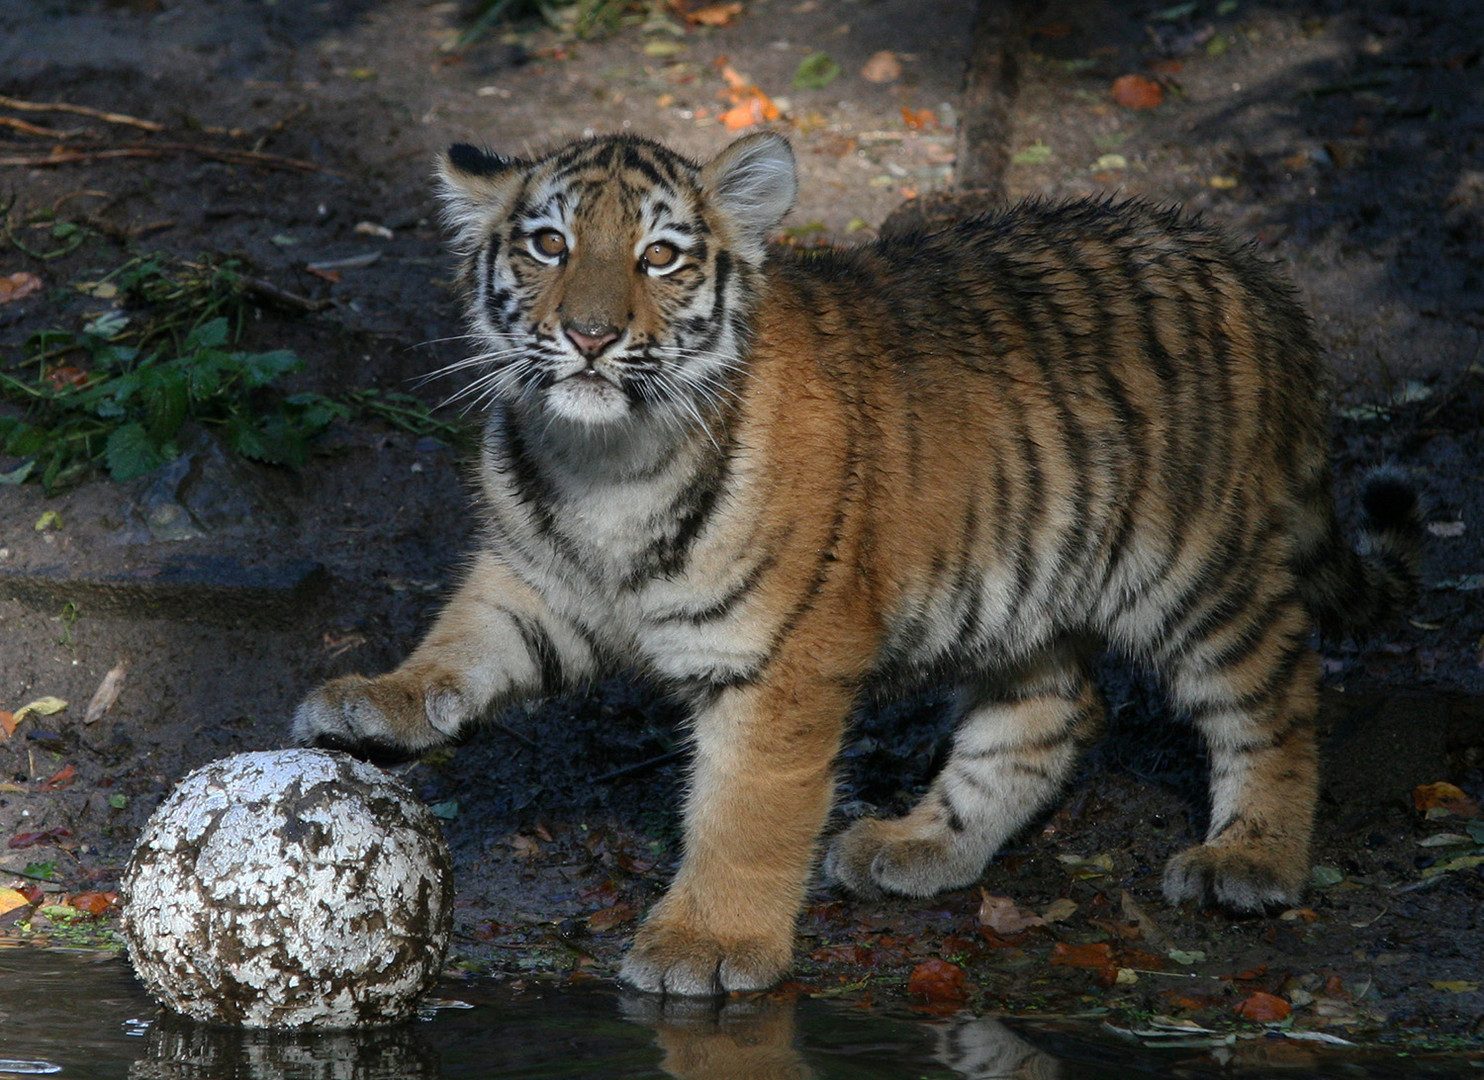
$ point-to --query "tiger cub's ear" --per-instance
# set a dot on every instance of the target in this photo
(753, 183)
(473, 182)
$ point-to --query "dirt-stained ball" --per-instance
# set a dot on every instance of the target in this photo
(289, 888)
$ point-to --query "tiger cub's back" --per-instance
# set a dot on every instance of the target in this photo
(1105, 407)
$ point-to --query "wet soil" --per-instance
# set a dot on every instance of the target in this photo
(1348, 143)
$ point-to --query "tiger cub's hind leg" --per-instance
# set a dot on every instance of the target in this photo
(1012, 752)
(1252, 690)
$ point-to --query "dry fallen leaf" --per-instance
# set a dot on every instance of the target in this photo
(7, 724)
(94, 903)
(18, 285)
(1264, 1008)
(41, 707)
(1444, 796)
(937, 981)
(63, 777)
(1096, 956)
(1004, 917)
(1137, 92)
(1060, 910)
(10, 900)
(882, 67)
(609, 917)
(106, 694)
(713, 14)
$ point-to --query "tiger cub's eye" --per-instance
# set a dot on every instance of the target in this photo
(550, 243)
(660, 255)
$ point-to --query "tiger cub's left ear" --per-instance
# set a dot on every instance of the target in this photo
(753, 183)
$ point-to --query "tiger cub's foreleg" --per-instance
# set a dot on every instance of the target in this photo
(1013, 750)
(1252, 691)
(761, 786)
(495, 641)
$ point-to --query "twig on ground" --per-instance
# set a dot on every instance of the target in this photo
(80, 110)
(67, 155)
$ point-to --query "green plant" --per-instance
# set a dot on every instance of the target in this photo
(583, 18)
(117, 392)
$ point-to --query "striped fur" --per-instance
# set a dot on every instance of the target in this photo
(773, 481)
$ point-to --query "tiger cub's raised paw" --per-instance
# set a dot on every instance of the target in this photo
(389, 717)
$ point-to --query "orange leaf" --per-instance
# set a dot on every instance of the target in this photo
(1444, 796)
(1264, 1008)
(937, 980)
(94, 903)
(1137, 92)
(66, 375)
(63, 777)
(714, 14)
(332, 276)
(18, 285)
(609, 917)
(10, 899)
(7, 724)
(1097, 955)
(917, 119)
(882, 67)
(752, 109)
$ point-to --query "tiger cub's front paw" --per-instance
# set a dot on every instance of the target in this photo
(670, 958)
(1245, 879)
(390, 716)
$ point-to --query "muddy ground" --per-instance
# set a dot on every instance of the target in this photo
(1349, 143)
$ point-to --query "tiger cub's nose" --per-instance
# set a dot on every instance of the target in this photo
(590, 344)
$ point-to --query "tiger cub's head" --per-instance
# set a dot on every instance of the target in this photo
(612, 279)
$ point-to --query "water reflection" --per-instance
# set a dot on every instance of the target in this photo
(758, 1040)
(180, 1049)
(85, 1016)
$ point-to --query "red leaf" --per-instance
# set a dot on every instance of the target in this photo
(63, 777)
(1097, 955)
(854, 955)
(94, 903)
(937, 981)
(1137, 92)
(31, 839)
(609, 917)
(1264, 1008)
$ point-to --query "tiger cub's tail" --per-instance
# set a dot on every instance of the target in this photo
(1357, 591)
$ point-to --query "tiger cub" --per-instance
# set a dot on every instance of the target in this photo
(776, 480)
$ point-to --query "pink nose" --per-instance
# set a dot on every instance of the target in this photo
(591, 344)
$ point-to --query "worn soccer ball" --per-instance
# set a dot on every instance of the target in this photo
(289, 888)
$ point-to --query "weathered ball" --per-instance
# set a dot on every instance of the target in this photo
(289, 888)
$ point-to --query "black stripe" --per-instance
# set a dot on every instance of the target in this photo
(542, 650)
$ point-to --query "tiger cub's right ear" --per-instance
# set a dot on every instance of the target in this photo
(472, 181)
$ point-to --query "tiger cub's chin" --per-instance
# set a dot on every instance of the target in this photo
(988, 453)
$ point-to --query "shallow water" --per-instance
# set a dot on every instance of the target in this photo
(82, 1015)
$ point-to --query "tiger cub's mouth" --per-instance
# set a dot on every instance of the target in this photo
(588, 395)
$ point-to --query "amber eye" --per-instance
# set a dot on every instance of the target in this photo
(660, 256)
(550, 243)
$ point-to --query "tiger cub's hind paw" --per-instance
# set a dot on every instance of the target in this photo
(1238, 880)
(876, 856)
